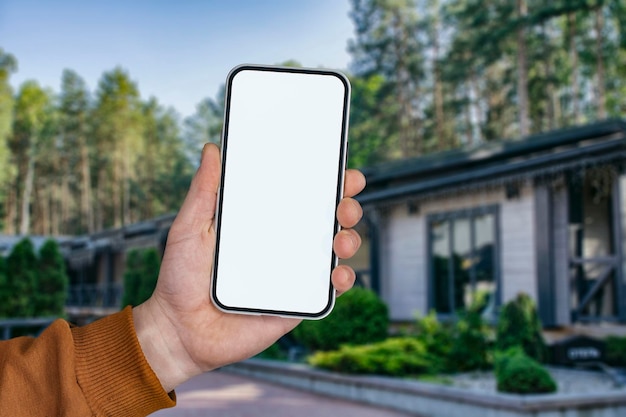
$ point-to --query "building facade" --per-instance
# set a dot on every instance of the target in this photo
(542, 215)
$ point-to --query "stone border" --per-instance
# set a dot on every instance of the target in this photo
(425, 399)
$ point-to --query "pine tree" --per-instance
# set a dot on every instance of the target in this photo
(8, 65)
(52, 281)
(118, 137)
(75, 132)
(151, 262)
(371, 129)
(20, 286)
(31, 129)
(132, 277)
(388, 43)
(162, 178)
(205, 125)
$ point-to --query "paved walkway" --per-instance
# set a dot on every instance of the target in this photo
(227, 395)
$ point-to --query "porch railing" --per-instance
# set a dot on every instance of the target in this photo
(35, 325)
(95, 295)
(591, 277)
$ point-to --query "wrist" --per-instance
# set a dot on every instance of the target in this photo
(162, 347)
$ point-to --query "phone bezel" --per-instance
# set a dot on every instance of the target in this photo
(343, 148)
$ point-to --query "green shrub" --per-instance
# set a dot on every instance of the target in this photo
(519, 325)
(437, 339)
(395, 357)
(273, 352)
(32, 285)
(359, 317)
(52, 281)
(461, 346)
(616, 351)
(140, 276)
(20, 281)
(518, 373)
(470, 343)
(132, 277)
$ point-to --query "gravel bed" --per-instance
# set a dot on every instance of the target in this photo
(569, 381)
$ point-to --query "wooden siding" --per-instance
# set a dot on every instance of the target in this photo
(517, 246)
(404, 251)
(404, 267)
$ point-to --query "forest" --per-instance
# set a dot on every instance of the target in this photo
(427, 76)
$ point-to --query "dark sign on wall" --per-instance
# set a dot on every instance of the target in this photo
(578, 350)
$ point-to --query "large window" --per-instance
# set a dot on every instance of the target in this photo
(463, 259)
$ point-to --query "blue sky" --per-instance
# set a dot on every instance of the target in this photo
(178, 51)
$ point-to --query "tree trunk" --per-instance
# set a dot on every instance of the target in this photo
(522, 68)
(547, 67)
(467, 113)
(475, 106)
(573, 52)
(409, 139)
(438, 88)
(126, 215)
(10, 208)
(600, 95)
(27, 193)
(117, 187)
(101, 200)
(43, 213)
(86, 206)
(402, 85)
(60, 206)
(66, 206)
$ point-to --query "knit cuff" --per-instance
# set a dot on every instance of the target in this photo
(112, 371)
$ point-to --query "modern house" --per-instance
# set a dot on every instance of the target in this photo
(96, 264)
(544, 215)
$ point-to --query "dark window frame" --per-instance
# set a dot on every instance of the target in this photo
(467, 213)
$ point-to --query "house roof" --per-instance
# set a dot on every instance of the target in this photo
(498, 161)
(8, 242)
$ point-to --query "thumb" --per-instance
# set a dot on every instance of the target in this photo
(198, 209)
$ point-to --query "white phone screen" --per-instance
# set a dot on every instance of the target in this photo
(283, 156)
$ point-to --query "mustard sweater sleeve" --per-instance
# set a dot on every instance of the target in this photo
(94, 370)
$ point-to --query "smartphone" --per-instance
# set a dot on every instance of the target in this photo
(284, 149)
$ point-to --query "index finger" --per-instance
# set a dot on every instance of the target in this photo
(354, 183)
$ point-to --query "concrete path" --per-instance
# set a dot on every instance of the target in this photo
(226, 395)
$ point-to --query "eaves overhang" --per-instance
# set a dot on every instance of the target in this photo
(565, 150)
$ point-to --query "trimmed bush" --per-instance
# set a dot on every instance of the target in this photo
(359, 317)
(132, 277)
(20, 283)
(52, 281)
(30, 285)
(274, 352)
(616, 351)
(518, 373)
(140, 276)
(459, 347)
(437, 339)
(519, 325)
(395, 357)
(470, 343)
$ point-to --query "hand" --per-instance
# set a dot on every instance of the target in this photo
(180, 331)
